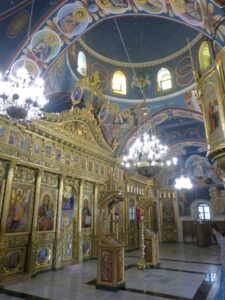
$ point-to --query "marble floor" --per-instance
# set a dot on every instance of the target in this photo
(186, 272)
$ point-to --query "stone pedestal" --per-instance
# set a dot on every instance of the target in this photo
(110, 269)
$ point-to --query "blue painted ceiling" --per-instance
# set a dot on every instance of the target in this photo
(146, 38)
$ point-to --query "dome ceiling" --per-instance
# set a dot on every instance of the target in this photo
(146, 38)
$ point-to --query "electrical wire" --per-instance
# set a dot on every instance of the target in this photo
(128, 57)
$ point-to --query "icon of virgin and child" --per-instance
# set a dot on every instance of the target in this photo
(69, 22)
(45, 214)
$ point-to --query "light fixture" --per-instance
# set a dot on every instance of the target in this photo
(22, 93)
(183, 183)
(147, 154)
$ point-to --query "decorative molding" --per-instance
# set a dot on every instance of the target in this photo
(142, 64)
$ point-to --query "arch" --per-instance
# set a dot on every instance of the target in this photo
(81, 63)
(93, 15)
(163, 80)
(119, 83)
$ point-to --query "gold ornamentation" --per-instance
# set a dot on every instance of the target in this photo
(49, 179)
(24, 175)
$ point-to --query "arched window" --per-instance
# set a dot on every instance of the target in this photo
(82, 63)
(204, 57)
(164, 80)
(203, 211)
(119, 83)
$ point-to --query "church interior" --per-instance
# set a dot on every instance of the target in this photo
(112, 149)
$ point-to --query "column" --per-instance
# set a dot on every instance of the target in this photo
(36, 202)
(95, 222)
(6, 201)
(79, 229)
(58, 243)
(31, 256)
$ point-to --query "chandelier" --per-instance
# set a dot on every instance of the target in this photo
(183, 183)
(147, 154)
(21, 95)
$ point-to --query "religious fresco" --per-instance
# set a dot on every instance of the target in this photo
(17, 24)
(141, 83)
(47, 209)
(29, 64)
(72, 19)
(113, 6)
(45, 45)
(201, 171)
(185, 198)
(188, 10)
(20, 208)
(206, 181)
(151, 6)
(118, 123)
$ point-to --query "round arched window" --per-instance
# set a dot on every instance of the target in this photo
(119, 83)
(164, 80)
(203, 211)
